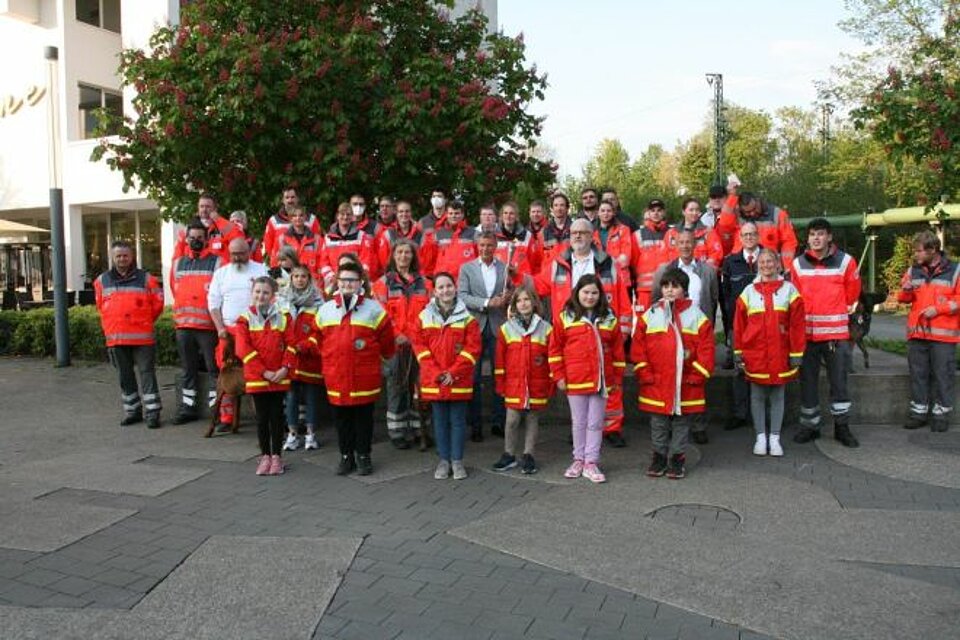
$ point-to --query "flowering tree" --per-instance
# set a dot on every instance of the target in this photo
(331, 96)
(913, 111)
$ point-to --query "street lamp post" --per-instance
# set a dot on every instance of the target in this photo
(57, 244)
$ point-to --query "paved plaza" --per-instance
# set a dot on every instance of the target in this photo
(110, 532)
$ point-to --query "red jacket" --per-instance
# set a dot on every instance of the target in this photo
(769, 329)
(553, 240)
(276, 226)
(220, 232)
(189, 280)
(389, 237)
(455, 248)
(936, 286)
(129, 305)
(262, 346)
(587, 356)
(309, 248)
(353, 344)
(660, 344)
(706, 244)
(307, 365)
(446, 344)
(403, 300)
(829, 286)
(519, 249)
(773, 225)
(651, 252)
(353, 241)
(555, 278)
(522, 375)
(620, 246)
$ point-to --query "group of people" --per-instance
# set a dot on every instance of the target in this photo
(418, 307)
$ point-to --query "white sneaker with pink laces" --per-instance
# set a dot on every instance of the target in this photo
(574, 470)
(592, 473)
(263, 468)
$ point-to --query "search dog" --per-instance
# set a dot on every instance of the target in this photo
(230, 383)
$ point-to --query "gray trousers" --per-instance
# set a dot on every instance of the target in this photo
(403, 416)
(835, 354)
(511, 439)
(194, 345)
(932, 375)
(125, 359)
(670, 434)
(759, 394)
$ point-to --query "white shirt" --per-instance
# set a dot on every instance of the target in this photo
(581, 267)
(693, 289)
(489, 272)
(747, 255)
(230, 289)
(709, 218)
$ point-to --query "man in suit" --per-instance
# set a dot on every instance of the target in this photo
(483, 288)
(703, 289)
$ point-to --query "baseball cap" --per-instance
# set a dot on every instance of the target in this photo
(717, 191)
(656, 204)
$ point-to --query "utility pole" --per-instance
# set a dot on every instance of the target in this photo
(826, 110)
(58, 250)
(715, 80)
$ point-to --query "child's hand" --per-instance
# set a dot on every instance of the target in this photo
(562, 385)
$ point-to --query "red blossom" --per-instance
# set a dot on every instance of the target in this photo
(445, 143)
(293, 89)
(224, 75)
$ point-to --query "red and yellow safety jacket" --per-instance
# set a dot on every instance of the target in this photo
(309, 248)
(129, 305)
(389, 238)
(768, 329)
(261, 343)
(307, 365)
(587, 356)
(829, 286)
(673, 352)
(403, 300)
(450, 344)
(935, 286)
(522, 375)
(620, 246)
(518, 248)
(190, 277)
(553, 240)
(455, 248)
(773, 225)
(706, 244)
(354, 241)
(353, 343)
(220, 233)
(276, 226)
(651, 252)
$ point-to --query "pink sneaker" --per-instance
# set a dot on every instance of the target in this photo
(276, 466)
(263, 467)
(592, 473)
(574, 470)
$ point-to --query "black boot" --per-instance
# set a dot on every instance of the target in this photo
(843, 435)
(658, 466)
(183, 417)
(153, 420)
(347, 464)
(806, 434)
(131, 418)
(364, 465)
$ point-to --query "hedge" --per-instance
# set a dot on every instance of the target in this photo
(31, 333)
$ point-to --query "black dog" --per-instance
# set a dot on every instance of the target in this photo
(859, 323)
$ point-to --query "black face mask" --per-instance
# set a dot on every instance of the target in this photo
(196, 244)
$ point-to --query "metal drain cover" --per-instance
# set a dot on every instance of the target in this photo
(700, 516)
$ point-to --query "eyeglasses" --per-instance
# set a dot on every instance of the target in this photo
(580, 233)
(349, 280)
(749, 233)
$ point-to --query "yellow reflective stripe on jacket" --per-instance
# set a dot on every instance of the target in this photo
(699, 367)
(250, 356)
(651, 401)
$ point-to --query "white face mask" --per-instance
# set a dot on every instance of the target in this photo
(358, 210)
(437, 202)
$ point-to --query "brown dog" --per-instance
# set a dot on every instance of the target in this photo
(229, 383)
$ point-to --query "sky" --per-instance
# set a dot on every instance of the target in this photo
(636, 70)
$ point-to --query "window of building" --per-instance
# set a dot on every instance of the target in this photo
(100, 13)
(93, 98)
(140, 228)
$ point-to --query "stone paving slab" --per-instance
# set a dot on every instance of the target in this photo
(916, 456)
(37, 525)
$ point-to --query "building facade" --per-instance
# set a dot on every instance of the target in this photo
(89, 34)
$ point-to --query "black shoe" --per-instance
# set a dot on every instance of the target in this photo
(153, 421)
(735, 423)
(658, 466)
(364, 465)
(939, 425)
(184, 417)
(497, 430)
(615, 439)
(400, 443)
(476, 434)
(913, 422)
(131, 418)
(676, 470)
(505, 463)
(528, 465)
(700, 437)
(806, 434)
(844, 436)
(347, 464)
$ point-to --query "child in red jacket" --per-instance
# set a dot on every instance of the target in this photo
(263, 333)
(587, 362)
(522, 376)
(673, 353)
(302, 300)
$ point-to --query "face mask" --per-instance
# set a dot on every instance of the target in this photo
(358, 210)
(197, 244)
(437, 202)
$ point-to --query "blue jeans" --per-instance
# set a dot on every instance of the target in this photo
(307, 394)
(489, 339)
(449, 428)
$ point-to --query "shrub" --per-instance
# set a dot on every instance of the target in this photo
(897, 264)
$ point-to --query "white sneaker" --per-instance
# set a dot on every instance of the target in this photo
(443, 471)
(459, 472)
(310, 442)
(775, 448)
(760, 447)
(292, 443)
